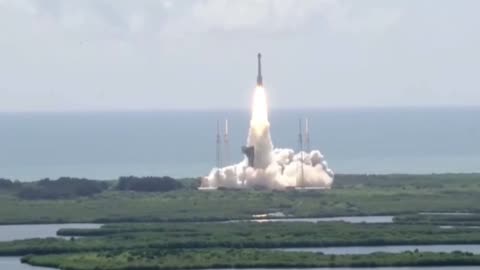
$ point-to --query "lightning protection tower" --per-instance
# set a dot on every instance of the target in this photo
(307, 136)
(218, 147)
(300, 171)
(226, 143)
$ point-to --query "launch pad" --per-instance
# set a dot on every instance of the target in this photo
(265, 166)
(208, 188)
(311, 188)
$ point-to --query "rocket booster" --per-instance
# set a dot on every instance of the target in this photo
(259, 75)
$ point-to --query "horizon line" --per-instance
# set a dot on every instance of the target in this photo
(305, 108)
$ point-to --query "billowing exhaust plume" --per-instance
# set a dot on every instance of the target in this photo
(268, 167)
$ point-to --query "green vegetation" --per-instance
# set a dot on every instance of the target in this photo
(440, 219)
(62, 188)
(158, 222)
(75, 188)
(245, 258)
(148, 184)
(6, 184)
(352, 196)
(240, 235)
(278, 234)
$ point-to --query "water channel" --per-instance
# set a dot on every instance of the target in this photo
(18, 232)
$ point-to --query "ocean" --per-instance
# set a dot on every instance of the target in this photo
(105, 145)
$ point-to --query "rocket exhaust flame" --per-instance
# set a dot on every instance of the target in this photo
(265, 166)
(259, 133)
(259, 121)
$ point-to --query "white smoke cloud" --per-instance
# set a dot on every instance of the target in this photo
(272, 168)
(284, 171)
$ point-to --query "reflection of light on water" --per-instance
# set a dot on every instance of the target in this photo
(275, 214)
(352, 219)
(262, 220)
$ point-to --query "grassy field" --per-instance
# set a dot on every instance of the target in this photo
(351, 195)
(165, 230)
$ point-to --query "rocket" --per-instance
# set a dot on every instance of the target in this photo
(259, 75)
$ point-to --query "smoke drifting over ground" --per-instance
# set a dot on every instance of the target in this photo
(272, 168)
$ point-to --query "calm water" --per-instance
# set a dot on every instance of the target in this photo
(365, 219)
(106, 145)
(13, 263)
(390, 249)
(19, 232)
(446, 213)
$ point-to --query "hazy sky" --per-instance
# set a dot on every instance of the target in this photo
(58, 55)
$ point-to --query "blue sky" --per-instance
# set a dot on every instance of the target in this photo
(121, 55)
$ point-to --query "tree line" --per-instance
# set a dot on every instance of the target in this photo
(69, 187)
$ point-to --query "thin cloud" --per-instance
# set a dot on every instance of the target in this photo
(212, 16)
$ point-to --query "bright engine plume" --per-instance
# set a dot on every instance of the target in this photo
(259, 133)
(268, 167)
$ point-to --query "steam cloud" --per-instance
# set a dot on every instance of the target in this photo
(272, 168)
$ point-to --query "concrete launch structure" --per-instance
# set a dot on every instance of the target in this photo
(266, 166)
